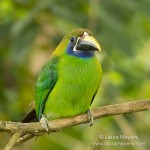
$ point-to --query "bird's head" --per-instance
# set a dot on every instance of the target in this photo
(79, 43)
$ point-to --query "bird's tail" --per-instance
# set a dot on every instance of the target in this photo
(30, 117)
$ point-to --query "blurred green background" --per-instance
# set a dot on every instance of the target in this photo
(31, 29)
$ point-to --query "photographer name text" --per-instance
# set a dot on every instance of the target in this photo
(118, 137)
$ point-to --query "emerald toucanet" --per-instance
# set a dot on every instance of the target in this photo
(68, 82)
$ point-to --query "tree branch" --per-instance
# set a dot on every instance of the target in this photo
(29, 130)
(13, 141)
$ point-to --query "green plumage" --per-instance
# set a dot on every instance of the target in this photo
(67, 83)
(45, 83)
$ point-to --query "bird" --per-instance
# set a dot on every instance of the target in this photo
(68, 82)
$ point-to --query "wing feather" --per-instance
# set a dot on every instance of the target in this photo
(44, 85)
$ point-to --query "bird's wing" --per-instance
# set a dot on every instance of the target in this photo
(44, 85)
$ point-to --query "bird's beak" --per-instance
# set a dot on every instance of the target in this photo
(87, 43)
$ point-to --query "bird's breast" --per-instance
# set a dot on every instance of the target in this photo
(78, 80)
(78, 73)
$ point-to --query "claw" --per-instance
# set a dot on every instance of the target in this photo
(44, 123)
(90, 116)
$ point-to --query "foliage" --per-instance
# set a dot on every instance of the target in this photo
(31, 29)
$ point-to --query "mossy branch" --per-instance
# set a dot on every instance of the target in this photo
(25, 131)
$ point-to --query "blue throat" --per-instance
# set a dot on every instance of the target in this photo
(79, 53)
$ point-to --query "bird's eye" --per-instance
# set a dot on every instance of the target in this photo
(72, 39)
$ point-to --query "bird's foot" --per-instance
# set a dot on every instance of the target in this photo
(44, 123)
(90, 116)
